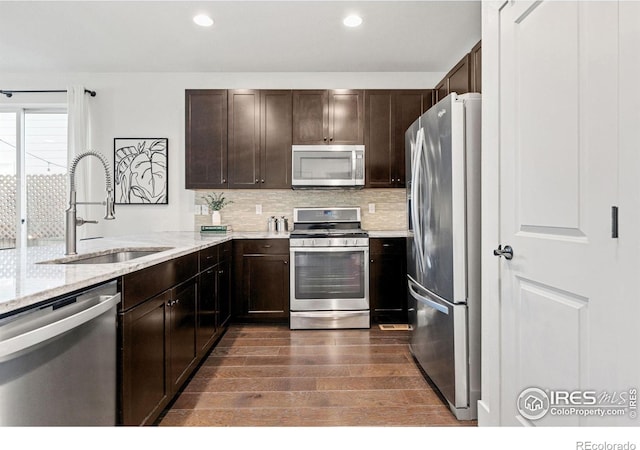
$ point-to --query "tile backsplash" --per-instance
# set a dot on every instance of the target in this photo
(390, 206)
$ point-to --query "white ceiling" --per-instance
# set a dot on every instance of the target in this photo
(248, 36)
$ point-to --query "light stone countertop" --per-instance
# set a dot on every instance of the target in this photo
(24, 282)
(387, 233)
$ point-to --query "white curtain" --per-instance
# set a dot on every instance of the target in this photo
(79, 141)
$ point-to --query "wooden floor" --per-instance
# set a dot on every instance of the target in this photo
(271, 376)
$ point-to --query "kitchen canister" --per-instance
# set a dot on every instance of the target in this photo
(282, 224)
(271, 224)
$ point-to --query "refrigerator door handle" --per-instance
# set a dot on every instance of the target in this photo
(415, 173)
(426, 301)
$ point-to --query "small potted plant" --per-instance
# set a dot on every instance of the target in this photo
(216, 202)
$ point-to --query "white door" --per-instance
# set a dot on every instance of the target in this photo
(560, 295)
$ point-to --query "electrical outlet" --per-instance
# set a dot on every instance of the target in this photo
(205, 210)
(198, 210)
(372, 208)
(258, 209)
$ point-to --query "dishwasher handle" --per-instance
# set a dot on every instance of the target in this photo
(30, 338)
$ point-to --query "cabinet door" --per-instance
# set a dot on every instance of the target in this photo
(244, 139)
(266, 285)
(388, 114)
(206, 139)
(476, 67)
(441, 90)
(346, 117)
(310, 117)
(460, 76)
(275, 139)
(408, 106)
(223, 284)
(207, 308)
(380, 153)
(182, 332)
(144, 386)
(261, 280)
(387, 280)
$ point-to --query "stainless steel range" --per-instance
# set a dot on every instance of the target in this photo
(329, 269)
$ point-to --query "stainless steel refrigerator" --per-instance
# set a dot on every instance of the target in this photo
(443, 248)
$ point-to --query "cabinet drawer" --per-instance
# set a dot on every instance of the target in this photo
(209, 257)
(143, 284)
(225, 251)
(265, 246)
(393, 246)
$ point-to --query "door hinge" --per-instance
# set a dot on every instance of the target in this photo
(614, 222)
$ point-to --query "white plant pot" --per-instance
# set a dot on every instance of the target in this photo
(215, 218)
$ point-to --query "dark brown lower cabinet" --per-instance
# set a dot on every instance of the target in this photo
(388, 280)
(144, 384)
(261, 280)
(156, 337)
(214, 301)
(182, 332)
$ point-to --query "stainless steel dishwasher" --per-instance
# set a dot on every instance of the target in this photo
(58, 361)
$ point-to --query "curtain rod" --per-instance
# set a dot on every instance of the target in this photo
(10, 93)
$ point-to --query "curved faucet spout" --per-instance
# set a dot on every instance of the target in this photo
(71, 220)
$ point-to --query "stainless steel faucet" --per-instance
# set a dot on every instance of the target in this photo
(71, 220)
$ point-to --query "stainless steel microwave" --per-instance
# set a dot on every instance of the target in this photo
(327, 166)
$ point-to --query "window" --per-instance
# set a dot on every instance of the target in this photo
(33, 167)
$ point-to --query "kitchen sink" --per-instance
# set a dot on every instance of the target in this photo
(116, 255)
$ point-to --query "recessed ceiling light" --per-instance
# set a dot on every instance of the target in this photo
(203, 20)
(352, 20)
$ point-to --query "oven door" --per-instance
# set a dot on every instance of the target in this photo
(329, 278)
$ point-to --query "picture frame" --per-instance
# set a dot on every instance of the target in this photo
(141, 171)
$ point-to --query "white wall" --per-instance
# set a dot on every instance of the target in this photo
(152, 105)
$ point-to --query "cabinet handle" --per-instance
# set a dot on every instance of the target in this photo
(177, 301)
(371, 260)
(171, 303)
(266, 246)
(286, 262)
(209, 272)
(224, 180)
(330, 139)
(220, 272)
(257, 180)
(263, 181)
(386, 245)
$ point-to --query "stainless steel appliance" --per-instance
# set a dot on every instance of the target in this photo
(443, 248)
(329, 269)
(58, 362)
(327, 166)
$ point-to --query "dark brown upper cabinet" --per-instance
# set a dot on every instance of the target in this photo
(465, 76)
(388, 114)
(259, 139)
(206, 139)
(441, 90)
(244, 139)
(328, 116)
(275, 139)
(476, 67)
(460, 76)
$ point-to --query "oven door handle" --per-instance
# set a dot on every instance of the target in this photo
(329, 249)
(329, 314)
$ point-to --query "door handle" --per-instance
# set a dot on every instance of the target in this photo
(507, 252)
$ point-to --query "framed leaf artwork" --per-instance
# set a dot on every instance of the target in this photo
(141, 171)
